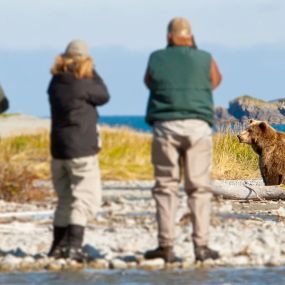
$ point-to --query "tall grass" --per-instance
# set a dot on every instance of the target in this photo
(125, 156)
(233, 160)
(23, 159)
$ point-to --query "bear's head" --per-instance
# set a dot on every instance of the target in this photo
(258, 134)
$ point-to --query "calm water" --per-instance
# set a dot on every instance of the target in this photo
(222, 276)
(138, 123)
(134, 122)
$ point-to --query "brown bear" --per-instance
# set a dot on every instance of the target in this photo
(270, 147)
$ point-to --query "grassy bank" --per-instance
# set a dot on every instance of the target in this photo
(233, 160)
(125, 155)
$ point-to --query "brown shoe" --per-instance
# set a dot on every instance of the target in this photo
(203, 252)
(165, 253)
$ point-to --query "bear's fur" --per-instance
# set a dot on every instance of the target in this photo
(270, 147)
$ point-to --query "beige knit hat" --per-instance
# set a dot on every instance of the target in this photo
(77, 48)
(180, 27)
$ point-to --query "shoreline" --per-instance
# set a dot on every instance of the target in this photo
(247, 234)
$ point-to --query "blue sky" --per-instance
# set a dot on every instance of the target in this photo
(245, 36)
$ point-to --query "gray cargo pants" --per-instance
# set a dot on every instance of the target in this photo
(182, 146)
(78, 186)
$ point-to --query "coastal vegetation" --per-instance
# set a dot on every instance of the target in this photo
(125, 155)
(233, 160)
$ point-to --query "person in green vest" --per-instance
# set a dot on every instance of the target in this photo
(180, 110)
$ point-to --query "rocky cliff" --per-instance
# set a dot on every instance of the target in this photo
(247, 107)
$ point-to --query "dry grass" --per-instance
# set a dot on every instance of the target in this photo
(23, 159)
(125, 156)
(233, 160)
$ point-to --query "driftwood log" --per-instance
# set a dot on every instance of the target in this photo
(249, 192)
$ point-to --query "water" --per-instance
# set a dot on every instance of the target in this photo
(138, 123)
(135, 122)
(221, 276)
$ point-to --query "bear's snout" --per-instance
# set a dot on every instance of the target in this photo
(244, 137)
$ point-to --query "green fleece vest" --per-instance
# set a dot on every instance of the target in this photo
(180, 85)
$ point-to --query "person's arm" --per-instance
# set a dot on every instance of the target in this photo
(4, 103)
(147, 76)
(147, 79)
(215, 74)
(194, 45)
(2, 94)
(97, 91)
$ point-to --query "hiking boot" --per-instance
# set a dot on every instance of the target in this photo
(73, 249)
(59, 239)
(75, 253)
(165, 253)
(75, 235)
(203, 252)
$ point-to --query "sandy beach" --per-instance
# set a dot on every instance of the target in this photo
(22, 124)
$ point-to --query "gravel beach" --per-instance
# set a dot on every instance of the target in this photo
(245, 233)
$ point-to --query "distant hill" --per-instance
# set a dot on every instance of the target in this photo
(247, 107)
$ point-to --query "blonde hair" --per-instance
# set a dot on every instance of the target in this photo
(79, 66)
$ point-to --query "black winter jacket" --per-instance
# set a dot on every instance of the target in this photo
(74, 116)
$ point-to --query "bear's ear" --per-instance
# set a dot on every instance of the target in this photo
(250, 121)
(263, 126)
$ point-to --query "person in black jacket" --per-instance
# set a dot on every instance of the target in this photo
(75, 91)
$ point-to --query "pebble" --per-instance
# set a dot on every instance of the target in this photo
(7, 267)
(56, 265)
(12, 260)
(118, 264)
(240, 260)
(152, 264)
(99, 264)
(187, 264)
(132, 265)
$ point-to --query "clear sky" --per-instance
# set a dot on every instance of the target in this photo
(138, 24)
(136, 27)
